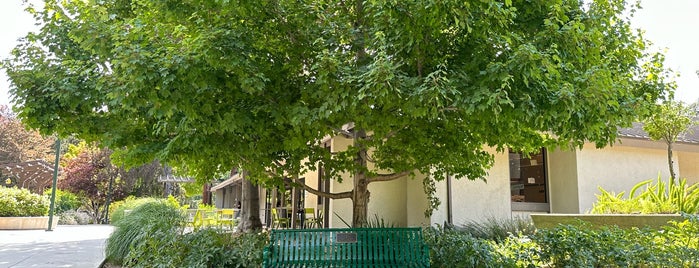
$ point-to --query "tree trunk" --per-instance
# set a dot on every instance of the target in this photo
(360, 200)
(669, 162)
(250, 211)
(360, 194)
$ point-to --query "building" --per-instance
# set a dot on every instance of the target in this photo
(549, 181)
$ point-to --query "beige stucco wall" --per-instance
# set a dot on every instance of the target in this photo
(689, 166)
(388, 202)
(477, 200)
(311, 179)
(616, 168)
(416, 204)
(563, 181)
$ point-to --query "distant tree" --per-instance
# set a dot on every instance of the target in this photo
(88, 171)
(88, 174)
(19, 144)
(667, 122)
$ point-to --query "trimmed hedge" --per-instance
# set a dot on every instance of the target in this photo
(16, 202)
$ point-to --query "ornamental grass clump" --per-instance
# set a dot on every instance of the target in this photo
(498, 229)
(647, 197)
(19, 202)
(153, 219)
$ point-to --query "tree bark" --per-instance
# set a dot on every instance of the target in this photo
(250, 211)
(669, 162)
(360, 200)
(360, 194)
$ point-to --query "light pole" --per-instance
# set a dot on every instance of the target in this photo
(53, 187)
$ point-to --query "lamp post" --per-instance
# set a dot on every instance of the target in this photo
(53, 187)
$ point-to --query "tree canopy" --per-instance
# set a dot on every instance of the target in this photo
(423, 85)
(667, 122)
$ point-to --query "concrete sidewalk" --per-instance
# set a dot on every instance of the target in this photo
(66, 246)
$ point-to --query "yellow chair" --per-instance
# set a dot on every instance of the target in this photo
(277, 221)
(205, 218)
(226, 218)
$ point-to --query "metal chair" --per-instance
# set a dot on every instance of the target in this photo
(316, 221)
(226, 218)
(277, 221)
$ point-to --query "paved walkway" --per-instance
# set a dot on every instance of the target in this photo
(66, 246)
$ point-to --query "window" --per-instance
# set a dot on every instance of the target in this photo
(528, 180)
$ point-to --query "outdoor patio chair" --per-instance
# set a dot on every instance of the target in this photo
(277, 221)
(316, 221)
(204, 218)
(226, 218)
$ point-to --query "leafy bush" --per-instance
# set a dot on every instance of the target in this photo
(574, 245)
(16, 202)
(152, 236)
(152, 222)
(498, 229)
(583, 246)
(673, 197)
(453, 248)
(73, 217)
(677, 245)
(65, 201)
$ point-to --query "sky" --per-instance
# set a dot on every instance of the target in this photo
(672, 25)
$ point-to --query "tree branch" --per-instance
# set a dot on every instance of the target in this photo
(344, 133)
(388, 177)
(341, 195)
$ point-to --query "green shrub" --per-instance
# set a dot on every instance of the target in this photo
(498, 229)
(677, 245)
(680, 241)
(202, 248)
(574, 245)
(453, 248)
(152, 222)
(16, 202)
(661, 197)
(65, 201)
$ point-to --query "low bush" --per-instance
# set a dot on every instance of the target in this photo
(149, 226)
(454, 248)
(573, 245)
(73, 217)
(65, 201)
(16, 202)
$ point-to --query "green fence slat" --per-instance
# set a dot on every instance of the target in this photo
(374, 247)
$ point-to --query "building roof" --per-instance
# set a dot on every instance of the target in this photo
(636, 131)
(233, 179)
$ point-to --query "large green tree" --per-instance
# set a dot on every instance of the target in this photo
(417, 85)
